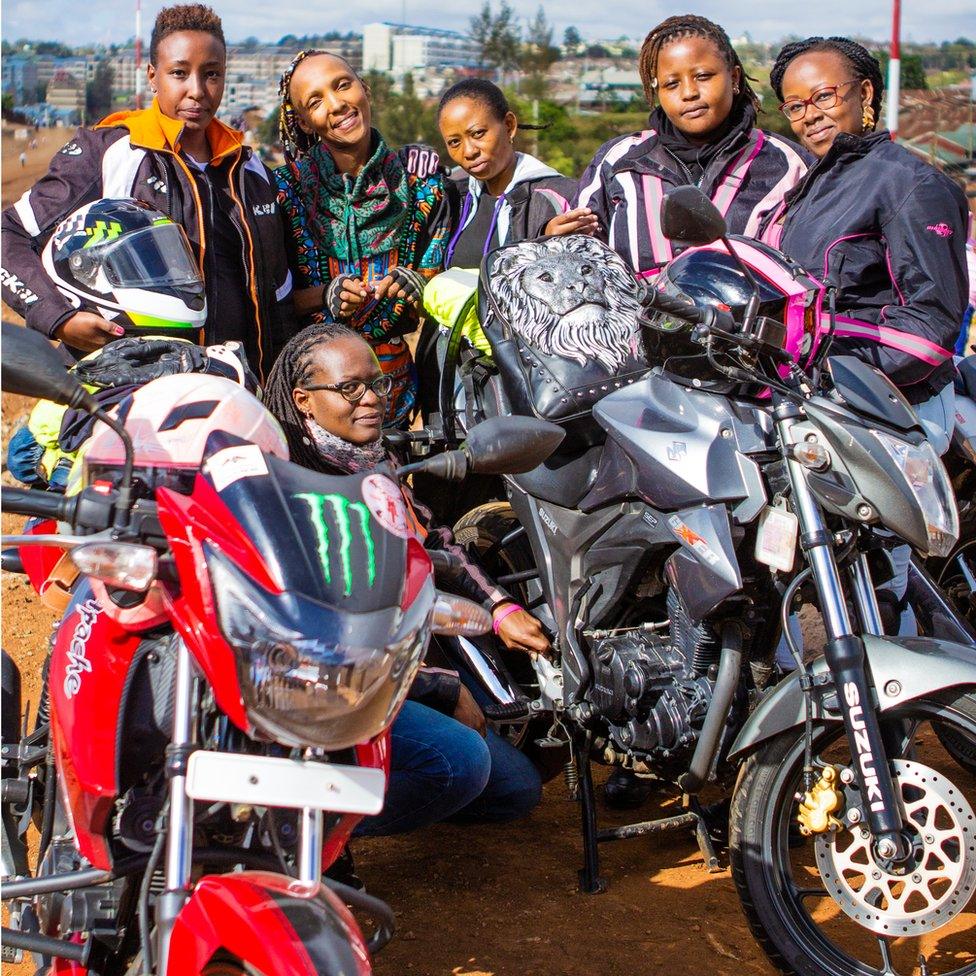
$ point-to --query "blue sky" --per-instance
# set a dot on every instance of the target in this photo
(109, 21)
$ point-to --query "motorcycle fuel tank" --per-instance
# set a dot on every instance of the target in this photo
(689, 446)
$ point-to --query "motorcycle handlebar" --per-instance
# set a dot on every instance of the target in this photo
(659, 302)
(40, 504)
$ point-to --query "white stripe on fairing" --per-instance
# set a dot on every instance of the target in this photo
(120, 166)
(795, 169)
(285, 290)
(628, 182)
(26, 213)
(256, 166)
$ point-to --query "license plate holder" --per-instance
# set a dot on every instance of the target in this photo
(268, 781)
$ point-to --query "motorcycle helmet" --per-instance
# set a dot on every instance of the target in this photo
(709, 275)
(169, 421)
(129, 263)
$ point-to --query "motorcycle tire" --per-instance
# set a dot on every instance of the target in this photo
(481, 531)
(962, 749)
(805, 930)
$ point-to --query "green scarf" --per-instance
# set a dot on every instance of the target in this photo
(355, 218)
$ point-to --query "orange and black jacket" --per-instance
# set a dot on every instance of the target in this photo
(137, 154)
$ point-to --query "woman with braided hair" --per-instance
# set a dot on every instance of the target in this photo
(369, 224)
(329, 394)
(702, 131)
(874, 220)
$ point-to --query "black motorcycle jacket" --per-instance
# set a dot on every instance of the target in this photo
(890, 231)
(137, 154)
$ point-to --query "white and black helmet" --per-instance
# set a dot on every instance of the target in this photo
(129, 263)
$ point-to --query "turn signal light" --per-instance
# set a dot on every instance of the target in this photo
(120, 564)
(811, 455)
(454, 616)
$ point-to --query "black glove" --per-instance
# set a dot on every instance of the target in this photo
(133, 362)
(411, 282)
(332, 303)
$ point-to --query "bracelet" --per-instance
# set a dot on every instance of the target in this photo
(500, 615)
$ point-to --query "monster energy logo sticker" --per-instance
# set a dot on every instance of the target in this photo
(342, 509)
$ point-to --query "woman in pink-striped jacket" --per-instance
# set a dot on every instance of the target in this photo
(702, 132)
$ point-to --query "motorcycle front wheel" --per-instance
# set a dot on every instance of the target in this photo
(826, 905)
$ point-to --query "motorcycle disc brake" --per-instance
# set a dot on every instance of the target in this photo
(932, 886)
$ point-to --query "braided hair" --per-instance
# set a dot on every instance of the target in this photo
(295, 140)
(292, 369)
(689, 25)
(863, 63)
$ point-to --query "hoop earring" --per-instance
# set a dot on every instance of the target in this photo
(735, 89)
(867, 119)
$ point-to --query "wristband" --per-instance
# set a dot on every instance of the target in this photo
(500, 615)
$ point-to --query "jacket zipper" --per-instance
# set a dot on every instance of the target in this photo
(252, 289)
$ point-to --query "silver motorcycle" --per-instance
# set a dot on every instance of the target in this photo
(666, 550)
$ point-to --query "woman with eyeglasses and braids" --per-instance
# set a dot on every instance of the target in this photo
(369, 224)
(329, 394)
(702, 131)
(875, 220)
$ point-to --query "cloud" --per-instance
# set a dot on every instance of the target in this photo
(107, 21)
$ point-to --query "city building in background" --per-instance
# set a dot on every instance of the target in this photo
(399, 49)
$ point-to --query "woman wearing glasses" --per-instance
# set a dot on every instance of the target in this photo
(702, 132)
(329, 394)
(875, 220)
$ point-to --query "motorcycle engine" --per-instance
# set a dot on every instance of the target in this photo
(654, 690)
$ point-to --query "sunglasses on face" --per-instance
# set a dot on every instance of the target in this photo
(826, 97)
(355, 390)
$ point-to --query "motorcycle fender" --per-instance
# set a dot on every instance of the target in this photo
(902, 669)
(276, 924)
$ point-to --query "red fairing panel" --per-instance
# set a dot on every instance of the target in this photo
(89, 663)
(188, 523)
(40, 560)
(277, 924)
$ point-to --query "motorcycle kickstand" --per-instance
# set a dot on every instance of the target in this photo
(590, 882)
(705, 844)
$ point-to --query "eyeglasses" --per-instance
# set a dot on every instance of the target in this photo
(827, 97)
(355, 390)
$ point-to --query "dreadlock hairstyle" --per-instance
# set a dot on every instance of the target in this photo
(863, 63)
(295, 140)
(689, 25)
(486, 93)
(292, 369)
(184, 17)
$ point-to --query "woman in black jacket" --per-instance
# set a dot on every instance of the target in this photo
(875, 220)
(180, 159)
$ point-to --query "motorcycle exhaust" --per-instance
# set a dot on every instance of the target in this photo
(730, 664)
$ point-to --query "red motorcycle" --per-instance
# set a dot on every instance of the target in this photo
(240, 636)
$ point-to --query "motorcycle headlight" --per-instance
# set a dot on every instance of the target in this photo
(314, 675)
(928, 481)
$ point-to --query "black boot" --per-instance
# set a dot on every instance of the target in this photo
(344, 871)
(625, 790)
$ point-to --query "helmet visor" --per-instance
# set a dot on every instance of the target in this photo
(151, 257)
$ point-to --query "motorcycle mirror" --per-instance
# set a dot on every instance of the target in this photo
(32, 367)
(688, 217)
(510, 445)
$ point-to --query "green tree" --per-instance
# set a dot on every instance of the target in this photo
(912, 72)
(572, 41)
(98, 92)
(497, 37)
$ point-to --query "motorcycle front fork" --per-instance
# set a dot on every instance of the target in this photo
(179, 830)
(845, 656)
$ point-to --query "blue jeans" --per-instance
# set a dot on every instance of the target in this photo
(442, 770)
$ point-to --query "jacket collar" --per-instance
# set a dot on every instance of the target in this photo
(150, 129)
(845, 148)
(527, 168)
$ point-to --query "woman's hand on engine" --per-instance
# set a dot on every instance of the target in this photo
(519, 630)
(579, 221)
(87, 331)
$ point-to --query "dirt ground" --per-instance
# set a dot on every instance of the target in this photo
(490, 901)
